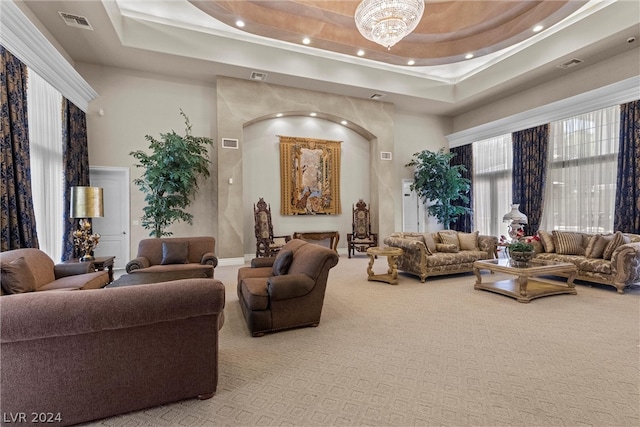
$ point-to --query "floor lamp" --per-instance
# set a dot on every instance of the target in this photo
(86, 203)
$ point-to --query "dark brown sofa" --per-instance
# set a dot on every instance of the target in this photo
(32, 269)
(87, 355)
(188, 254)
(291, 298)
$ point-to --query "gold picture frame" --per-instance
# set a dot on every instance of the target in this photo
(309, 176)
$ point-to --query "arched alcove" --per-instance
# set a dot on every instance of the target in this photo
(261, 173)
(241, 102)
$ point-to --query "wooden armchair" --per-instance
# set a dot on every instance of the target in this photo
(361, 238)
(267, 245)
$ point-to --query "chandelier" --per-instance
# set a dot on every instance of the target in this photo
(386, 22)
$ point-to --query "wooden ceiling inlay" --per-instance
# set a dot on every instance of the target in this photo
(447, 32)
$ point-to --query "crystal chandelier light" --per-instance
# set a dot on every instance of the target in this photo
(386, 22)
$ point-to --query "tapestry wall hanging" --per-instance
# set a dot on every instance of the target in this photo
(309, 176)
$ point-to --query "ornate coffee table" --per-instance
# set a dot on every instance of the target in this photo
(528, 285)
(392, 255)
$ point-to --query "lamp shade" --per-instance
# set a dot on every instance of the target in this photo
(86, 202)
(515, 216)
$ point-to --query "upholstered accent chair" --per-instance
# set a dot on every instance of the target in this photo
(286, 291)
(361, 238)
(30, 269)
(192, 256)
(267, 245)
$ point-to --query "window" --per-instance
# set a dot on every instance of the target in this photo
(581, 180)
(44, 105)
(492, 166)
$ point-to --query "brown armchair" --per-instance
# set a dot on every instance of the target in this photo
(286, 291)
(361, 238)
(267, 245)
(30, 269)
(190, 256)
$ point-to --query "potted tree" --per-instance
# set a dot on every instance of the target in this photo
(170, 177)
(435, 179)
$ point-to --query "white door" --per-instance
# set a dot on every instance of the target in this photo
(414, 213)
(410, 202)
(114, 226)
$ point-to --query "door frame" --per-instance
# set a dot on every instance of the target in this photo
(125, 203)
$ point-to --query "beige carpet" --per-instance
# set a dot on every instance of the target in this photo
(425, 354)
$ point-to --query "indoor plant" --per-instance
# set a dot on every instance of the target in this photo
(521, 251)
(170, 177)
(437, 180)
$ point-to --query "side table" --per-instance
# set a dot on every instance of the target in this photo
(100, 263)
(392, 255)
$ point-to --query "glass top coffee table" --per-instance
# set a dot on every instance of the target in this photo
(528, 285)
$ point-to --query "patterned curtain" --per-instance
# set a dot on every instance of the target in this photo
(464, 156)
(627, 205)
(17, 223)
(530, 147)
(76, 165)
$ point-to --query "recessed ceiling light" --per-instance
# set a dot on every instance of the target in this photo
(313, 114)
(411, 62)
(306, 40)
(468, 56)
(538, 28)
(240, 23)
(344, 122)
(361, 52)
(279, 115)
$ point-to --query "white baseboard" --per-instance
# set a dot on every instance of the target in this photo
(231, 261)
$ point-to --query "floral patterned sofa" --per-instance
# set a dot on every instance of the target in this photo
(610, 259)
(443, 252)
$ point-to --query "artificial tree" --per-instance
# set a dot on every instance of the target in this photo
(436, 180)
(170, 178)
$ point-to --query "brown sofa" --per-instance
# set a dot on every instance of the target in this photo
(294, 295)
(426, 254)
(30, 269)
(188, 254)
(82, 356)
(619, 266)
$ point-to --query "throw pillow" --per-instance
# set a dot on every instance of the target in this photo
(597, 244)
(568, 243)
(468, 241)
(174, 252)
(449, 237)
(547, 241)
(445, 247)
(618, 239)
(282, 263)
(429, 242)
(16, 278)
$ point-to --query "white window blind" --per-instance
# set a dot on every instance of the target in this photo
(581, 180)
(44, 109)
(492, 166)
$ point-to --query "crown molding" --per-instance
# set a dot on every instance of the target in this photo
(20, 36)
(606, 96)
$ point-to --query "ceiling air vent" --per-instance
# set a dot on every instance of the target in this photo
(256, 75)
(76, 21)
(230, 143)
(376, 96)
(570, 63)
(385, 155)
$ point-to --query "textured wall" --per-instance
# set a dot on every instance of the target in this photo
(240, 102)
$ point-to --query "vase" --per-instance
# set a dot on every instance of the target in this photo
(521, 256)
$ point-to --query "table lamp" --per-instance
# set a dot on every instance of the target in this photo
(86, 203)
(515, 218)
